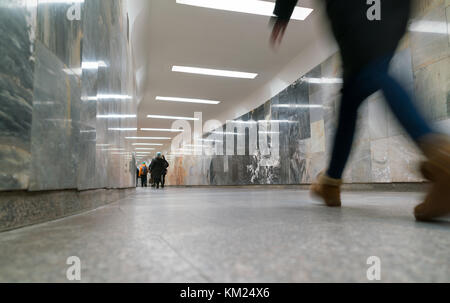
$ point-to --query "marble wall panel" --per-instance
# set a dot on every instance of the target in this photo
(51, 137)
(404, 159)
(17, 27)
(55, 127)
(381, 169)
(432, 89)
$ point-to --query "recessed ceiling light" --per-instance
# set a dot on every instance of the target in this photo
(148, 138)
(255, 7)
(172, 117)
(186, 100)
(213, 72)
(147, 144)
(145, 149)
(298, 106)
(123, 129)
(172, 130)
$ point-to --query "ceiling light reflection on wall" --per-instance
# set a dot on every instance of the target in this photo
(186, 100)
(323, 80)
(122, 129)
(210, 140)
(93, 64)
(255, 7)
(116, 116)
(432, 27)
(107, 97)
(276, 121)
(172, 130)
(213, 72)
(148, 138)
(298, 105)
(171, 117)
(228, 133)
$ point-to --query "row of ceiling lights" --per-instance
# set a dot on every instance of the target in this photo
(243, 6)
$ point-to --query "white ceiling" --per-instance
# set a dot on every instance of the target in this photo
(172, 34)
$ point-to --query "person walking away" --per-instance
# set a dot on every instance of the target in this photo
(163, 177)
(137, 176)
(367, 48)
(157, 168)
(143, 171)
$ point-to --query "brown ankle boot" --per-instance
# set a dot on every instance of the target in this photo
(327, 189)
(437, 170)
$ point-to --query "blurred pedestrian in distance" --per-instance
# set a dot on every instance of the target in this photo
(143, 171)
(157, 168)
(163, 177)
(367, 47)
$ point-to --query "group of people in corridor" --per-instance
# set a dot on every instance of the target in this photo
(157, 170)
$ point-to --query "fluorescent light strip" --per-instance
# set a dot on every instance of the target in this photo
(255, 7)
(186, 100)
(148, 138)
(122, 129)
(39, 2)
(147, 144)
(172, 130)
(172, 117)
(145, 149)
(298, 105)
(213, 72)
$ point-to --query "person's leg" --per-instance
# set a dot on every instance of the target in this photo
(404, 109)
(355, 91)
(163, 180)
(435, 147)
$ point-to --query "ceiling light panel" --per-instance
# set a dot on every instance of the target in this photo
(213, 72)
(186, 100)
(255, 7)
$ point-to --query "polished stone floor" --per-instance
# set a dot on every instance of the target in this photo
(233, 235)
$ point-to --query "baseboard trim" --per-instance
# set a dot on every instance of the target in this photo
(23, 208)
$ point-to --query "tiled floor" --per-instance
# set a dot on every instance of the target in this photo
(233, 235)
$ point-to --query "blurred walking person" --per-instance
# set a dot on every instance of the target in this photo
(367, 48)
(137, 175)
(163, 177)
(143, 172)
(157, 168)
